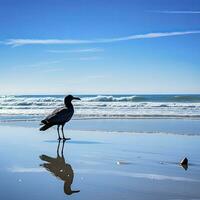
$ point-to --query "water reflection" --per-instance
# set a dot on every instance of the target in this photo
(60, 169)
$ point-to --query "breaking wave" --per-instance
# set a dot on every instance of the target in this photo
(115, 99)
(105, 106)
(145, 98)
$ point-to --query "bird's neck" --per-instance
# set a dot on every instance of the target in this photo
(69, 105)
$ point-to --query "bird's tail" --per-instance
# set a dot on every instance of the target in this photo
(47, 158)
(45, 127)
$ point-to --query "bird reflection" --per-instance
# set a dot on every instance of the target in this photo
(60, 169)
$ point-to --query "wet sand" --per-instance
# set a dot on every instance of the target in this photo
(97, 165)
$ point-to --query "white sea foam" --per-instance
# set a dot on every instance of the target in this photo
(112, 98)
(104, 106)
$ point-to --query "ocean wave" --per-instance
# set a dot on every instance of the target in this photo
(105, 106)
(188, 98)
(144, 98)
(103, 98)
(110, 109)
(114, 99)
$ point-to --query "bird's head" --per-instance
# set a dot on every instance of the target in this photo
(69, 98)
(68, 190)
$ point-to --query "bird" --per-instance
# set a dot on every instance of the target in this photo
(60, 169)
(60, 116)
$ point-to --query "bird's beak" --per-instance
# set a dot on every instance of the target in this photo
(76, 98)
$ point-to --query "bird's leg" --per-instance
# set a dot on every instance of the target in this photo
(63, 132)
(59, 138)
(63, 149)
(58, 147)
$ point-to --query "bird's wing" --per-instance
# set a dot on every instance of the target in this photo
(58, 116)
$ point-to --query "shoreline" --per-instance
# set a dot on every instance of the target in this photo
(151, 126)
(102, 118)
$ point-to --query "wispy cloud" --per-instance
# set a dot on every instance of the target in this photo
(19, 42)
(42, 64)
(176, 11)
(45, 66)
(58, 69)
(37, 65)
(91, 50)
(97, 77)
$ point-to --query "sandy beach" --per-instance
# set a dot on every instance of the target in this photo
(100, 100)
(99, 164)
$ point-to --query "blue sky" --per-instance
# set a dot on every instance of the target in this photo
(91, 46)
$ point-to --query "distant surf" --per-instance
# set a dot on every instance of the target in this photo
(102, 106)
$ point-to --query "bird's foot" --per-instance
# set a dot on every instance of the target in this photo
(59, 138)
(66, 138)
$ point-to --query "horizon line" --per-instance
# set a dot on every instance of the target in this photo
(75, 93)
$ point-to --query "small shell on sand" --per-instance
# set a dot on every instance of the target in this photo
(123, 163)
(184, 161)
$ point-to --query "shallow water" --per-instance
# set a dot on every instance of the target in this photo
(102, 165)
(164, 126)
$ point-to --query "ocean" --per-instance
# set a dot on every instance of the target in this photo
(34, 107)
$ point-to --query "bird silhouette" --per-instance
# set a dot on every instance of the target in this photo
(60, 116)
(60, 169)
